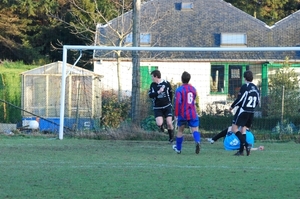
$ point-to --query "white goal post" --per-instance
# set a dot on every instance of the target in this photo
(66, 48)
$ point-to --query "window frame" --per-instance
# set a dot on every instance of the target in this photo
(186, 6)
(143, 41)
(233, 39)
(226, 77)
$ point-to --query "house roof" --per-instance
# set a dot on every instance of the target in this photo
(56, 68)
(200, 23)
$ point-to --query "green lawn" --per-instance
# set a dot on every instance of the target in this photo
(73, 168)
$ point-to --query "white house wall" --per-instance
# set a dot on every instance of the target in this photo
(200, 72)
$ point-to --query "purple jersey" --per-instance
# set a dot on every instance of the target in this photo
(185, 97)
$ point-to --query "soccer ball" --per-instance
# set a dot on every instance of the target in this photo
(33, 124)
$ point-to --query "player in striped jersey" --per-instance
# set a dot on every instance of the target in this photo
(185, 112)
(247, 100)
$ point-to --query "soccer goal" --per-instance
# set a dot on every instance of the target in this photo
(217, 73)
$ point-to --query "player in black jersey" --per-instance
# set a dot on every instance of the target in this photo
(247, 100)
(161, 94)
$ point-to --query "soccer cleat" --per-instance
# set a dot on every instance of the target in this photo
(175, 149)
(210, 140)
(248, 149)
(261, 148)
(197, 148)
(239, 154)
(171, 141)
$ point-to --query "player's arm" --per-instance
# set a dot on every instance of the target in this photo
(170, 91)
(238, 99)
(195, 100)
(258, 98)
(153, 92)
(177, 103)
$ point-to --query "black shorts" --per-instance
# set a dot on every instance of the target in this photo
(242, 118)
(163, 112)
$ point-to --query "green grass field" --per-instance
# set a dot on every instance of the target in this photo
(82, 168)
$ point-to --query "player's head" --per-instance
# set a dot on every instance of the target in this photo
(248, 75)
(185, 77)
(156, 73)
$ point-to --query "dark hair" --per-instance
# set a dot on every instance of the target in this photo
(248, 75)
(185, 77)
(156, 73)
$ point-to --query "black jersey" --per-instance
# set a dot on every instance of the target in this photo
(248, 98)
(163, 99)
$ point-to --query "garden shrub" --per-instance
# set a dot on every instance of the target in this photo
(114, 112)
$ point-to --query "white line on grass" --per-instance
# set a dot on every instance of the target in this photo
(106, 165)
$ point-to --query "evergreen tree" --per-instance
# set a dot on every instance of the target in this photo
(12, 31)
(284, 92)
(268, 11)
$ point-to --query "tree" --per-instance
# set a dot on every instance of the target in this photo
(284, 92)
(86, 15)
(136, 86)
(272, 11)
(26, 32)
(12, 31)
(268, 11)
(81, 17)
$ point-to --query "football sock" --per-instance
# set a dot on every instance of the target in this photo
(242, 140)
(221, 134)
(179, 141)
(171, 134)
(197, 136)
(244, 135)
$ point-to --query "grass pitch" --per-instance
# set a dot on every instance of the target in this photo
(82, 168)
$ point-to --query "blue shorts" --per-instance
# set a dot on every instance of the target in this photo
(232, 142)
(191, 123)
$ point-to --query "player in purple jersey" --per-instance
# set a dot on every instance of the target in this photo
(185, 112)
(161, 94)
(247, 100)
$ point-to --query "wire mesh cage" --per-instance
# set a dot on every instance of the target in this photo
(41, 88)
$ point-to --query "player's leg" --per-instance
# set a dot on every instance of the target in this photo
(243, 131)
(240, 121)
(158, 113)
(219, 135)
(179, 137)
(170, 129)
(194, 126)
(248, 146)
(168, 113)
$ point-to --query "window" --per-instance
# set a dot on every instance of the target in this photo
(217, 79)
(227, 79)
(186, 6)
(145, 38)
(235, 80)
(233, 39)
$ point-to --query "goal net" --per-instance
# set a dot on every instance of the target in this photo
(217, 74)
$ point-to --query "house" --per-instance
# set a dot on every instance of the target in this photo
(197, 23)
(41, 97)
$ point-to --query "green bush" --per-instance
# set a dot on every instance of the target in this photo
(149, 124)
(114, 112)
(10, 90)
(215, 123)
